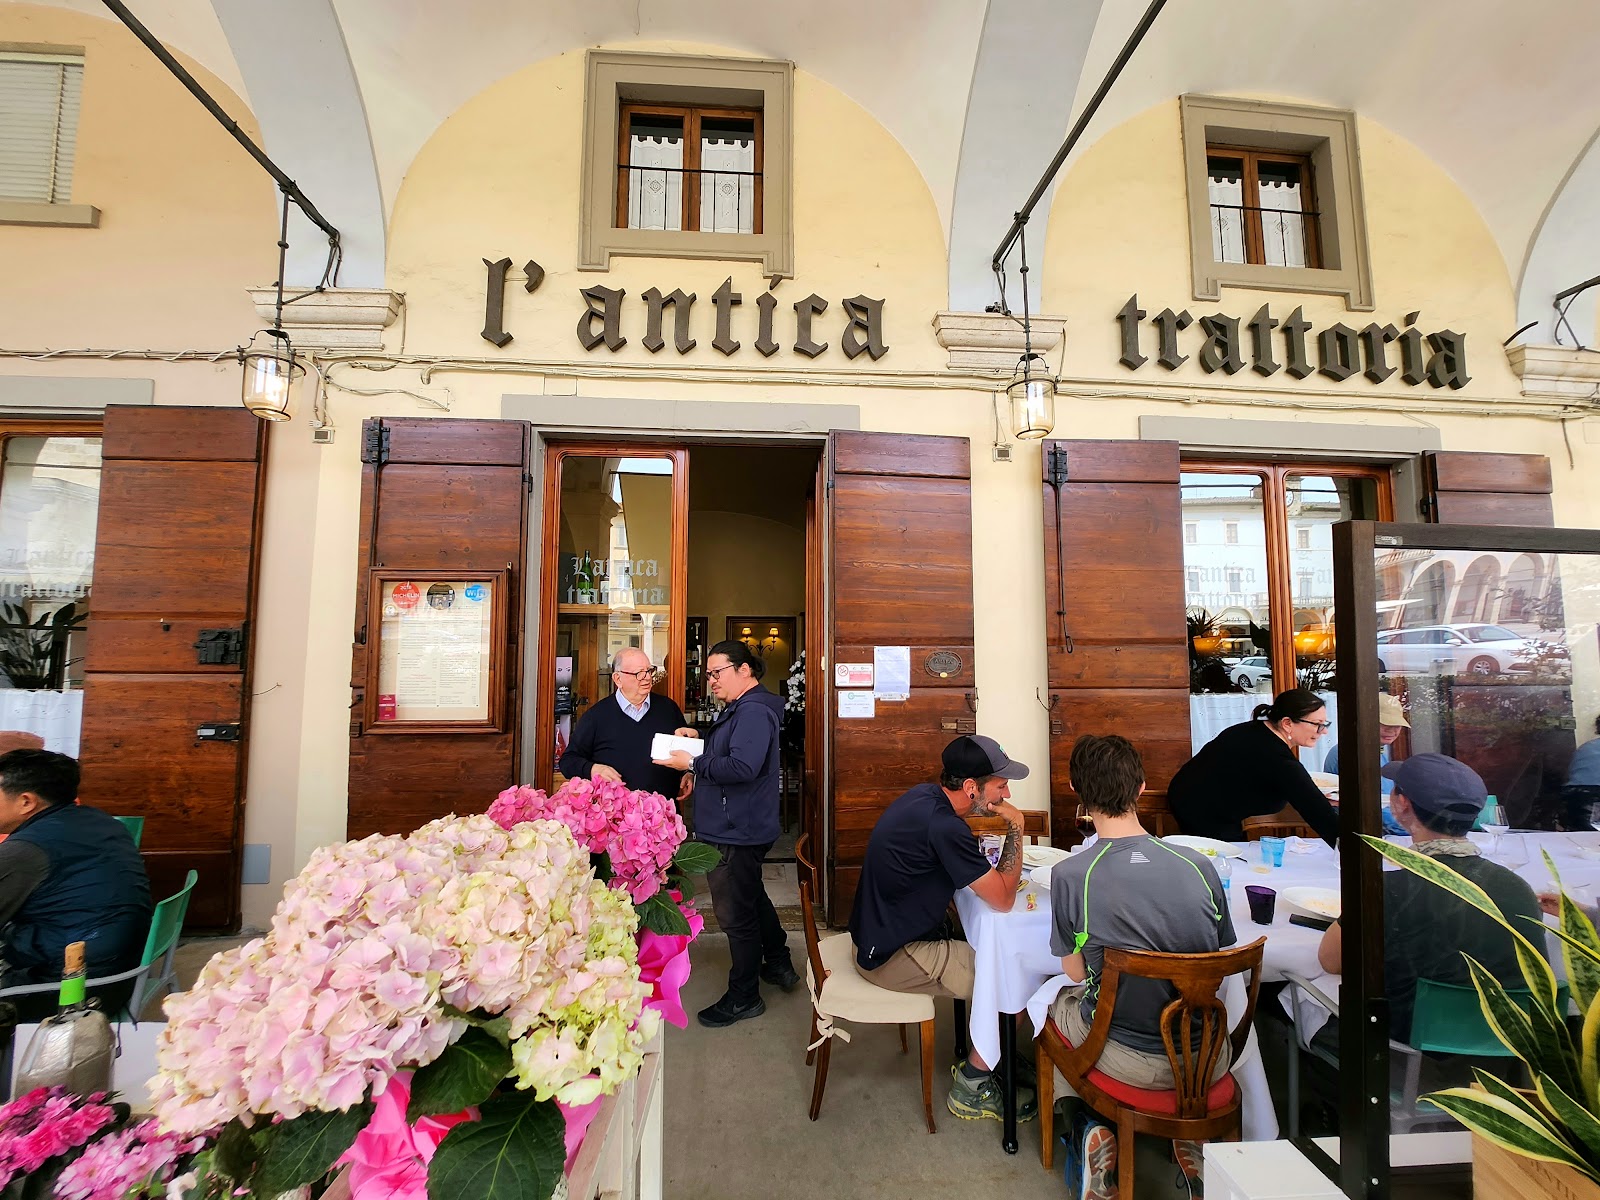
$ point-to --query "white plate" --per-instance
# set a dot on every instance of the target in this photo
(1205, 845)
(1322, 903)
(1041, 875)
(1042, 856)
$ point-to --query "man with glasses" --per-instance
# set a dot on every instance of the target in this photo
(612, 740)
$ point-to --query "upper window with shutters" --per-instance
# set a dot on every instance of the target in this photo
(1274, 199)
(40, 89)
(687, 157)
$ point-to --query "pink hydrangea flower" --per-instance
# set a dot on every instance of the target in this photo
(127, 1165)
(47, 1123)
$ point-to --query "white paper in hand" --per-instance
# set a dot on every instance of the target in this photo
(663, 744)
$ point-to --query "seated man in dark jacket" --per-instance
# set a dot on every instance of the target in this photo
(68, 874)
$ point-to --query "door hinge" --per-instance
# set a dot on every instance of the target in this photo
(375, 442)
(217, 731)
(220, 647)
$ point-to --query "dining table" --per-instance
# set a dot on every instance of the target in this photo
(1015, 971)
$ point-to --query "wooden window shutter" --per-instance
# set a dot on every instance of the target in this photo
(900, 554)
(1117, 654)
(176, 554)
(440, 495)
(1465, 488)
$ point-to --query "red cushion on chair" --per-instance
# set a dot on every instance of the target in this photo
(1163, 1101)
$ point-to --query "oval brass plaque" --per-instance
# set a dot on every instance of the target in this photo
(942, 664)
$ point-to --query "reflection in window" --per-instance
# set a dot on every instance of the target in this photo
(49, 506)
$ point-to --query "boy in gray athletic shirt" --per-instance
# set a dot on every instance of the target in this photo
(1133, 892)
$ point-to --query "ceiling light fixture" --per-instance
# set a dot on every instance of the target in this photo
(269, 362)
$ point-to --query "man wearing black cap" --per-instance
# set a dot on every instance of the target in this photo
(1426, 929)
(921, 851)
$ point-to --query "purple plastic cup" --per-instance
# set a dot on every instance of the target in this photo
(1263, 903)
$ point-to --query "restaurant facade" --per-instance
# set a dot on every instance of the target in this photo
(659, 334)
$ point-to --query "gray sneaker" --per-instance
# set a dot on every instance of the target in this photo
(975, 1099)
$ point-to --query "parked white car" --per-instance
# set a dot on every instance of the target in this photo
(1458, 649)
(1248, 674)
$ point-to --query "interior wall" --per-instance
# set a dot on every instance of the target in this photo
(742, 565)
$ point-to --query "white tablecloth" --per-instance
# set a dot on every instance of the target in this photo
(57, 717)
(1015, 972)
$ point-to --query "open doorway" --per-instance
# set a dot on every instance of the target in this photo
(748, 567)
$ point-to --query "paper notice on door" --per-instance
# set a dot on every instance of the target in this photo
(852, 674)
(891, 666)
(856, 704)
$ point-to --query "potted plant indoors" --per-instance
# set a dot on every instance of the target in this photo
(1544, 1141)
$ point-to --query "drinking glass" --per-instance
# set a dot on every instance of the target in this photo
(1263, 903)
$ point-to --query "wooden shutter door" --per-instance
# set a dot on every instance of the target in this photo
(437, 494)
(1465, 488)
(1117, 652)
(176, 551)
(900, 559)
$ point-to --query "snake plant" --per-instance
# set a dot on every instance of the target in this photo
(1559, 1120)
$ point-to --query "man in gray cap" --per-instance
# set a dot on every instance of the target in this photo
(1426, 929)
(921, 851)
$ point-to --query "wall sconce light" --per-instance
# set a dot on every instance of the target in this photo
(269, 362)
(1032, 389)
(771, 640)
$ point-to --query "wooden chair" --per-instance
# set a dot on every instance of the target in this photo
(1035, 825)
(1286, 822)
(838, 992)
(1192, 1026)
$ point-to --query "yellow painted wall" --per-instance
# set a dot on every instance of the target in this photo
(187, 221)
(742, 565)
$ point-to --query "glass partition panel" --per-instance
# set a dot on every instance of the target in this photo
(1486, 729)
(1226, 600)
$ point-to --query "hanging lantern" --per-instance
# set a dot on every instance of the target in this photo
(270, 370)
(1033, 399)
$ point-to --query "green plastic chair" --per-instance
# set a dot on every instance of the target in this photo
(158, 966)
(134, 826)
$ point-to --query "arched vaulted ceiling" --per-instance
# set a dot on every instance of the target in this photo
(1503, 97)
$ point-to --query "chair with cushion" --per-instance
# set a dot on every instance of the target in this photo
(134, 826)
(1193, 1026)
(158, 966)
(839, 993)
(1446, 1018)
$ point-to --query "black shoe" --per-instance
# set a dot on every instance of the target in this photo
(725, 1012)
(781, 975)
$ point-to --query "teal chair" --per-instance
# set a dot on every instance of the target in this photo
(158, 966)
(134, 826)
(1446, 1018)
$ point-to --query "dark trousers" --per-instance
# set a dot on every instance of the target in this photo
(745, 913)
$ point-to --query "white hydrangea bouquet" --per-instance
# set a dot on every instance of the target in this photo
(447, 987)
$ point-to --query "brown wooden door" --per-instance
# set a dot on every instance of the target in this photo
(900, 556)
(1466, 488)
(176, 553)
(1116, 644)
(443, 495)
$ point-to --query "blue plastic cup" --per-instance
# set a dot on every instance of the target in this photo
(1272, 850)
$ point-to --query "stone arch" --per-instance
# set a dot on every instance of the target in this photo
(1478, 585)
(1429, 594)
(1521, 590)
(1567, 237)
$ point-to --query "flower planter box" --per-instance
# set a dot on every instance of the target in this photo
(1498, 1174)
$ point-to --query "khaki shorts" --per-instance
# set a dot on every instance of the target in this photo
(926, 968)
(1133, 1067)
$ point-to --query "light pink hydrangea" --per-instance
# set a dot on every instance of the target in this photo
(373, 940)
(638, 831)
(135, 1162)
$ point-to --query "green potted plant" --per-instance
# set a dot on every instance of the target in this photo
(1543, 1142)
(33, 654)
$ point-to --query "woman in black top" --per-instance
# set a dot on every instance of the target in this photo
(1253, 769)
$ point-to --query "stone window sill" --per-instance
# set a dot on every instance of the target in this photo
(74, 216)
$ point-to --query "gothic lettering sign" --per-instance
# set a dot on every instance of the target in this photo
(600, 320)
(1227, 344)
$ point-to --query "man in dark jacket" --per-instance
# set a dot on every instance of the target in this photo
(736, 811)
(68, 874)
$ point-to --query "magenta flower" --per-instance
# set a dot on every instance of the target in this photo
(127, 1165)
(45, 1124)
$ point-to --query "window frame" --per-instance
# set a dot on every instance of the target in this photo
(692, 115)
(614, 79)
(58, 211)
(1327, 138)
(1251, 158)
(1277, 525)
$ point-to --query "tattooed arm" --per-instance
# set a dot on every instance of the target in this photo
(998, 889)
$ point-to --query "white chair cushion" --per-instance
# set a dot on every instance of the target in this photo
(848, 997)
